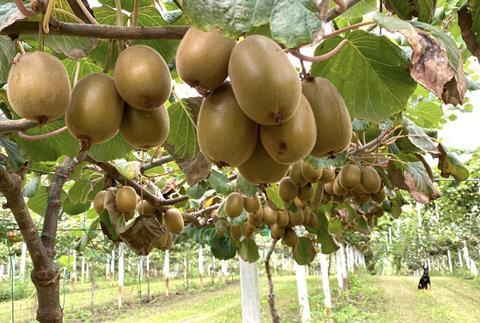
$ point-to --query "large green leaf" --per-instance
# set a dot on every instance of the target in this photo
(115, 148)
(126, 4)
(450, 164)
(248, 250)
(246, 187)
(419, 183)
(419, 137)
(182, 137)
(7, 53)
(86, 67)
(273, 195)
(14, 159)
(327, 243)
(474, 7)
(222, 248)
(423, 9)
(38, 202)
(303, 252)
(219, 182)
(51, 148)
(362, 8)
(292, 22)
(370, 72)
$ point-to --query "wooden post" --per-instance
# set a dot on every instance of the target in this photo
(121, 273)
(302, 293)
(249, 292)
(326, 283)
(200, 265)
(166, 272)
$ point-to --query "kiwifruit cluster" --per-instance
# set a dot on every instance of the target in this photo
(281, 222)
(264, 119)
(360, 183)
(99, 105)
(127, 202)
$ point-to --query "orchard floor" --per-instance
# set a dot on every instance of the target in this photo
(370, 299)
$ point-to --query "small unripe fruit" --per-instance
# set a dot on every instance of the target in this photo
(174, 220)
(234, 205)
(126, 199)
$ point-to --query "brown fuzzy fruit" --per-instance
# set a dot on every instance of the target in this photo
(287, 190)
(142, 77)
(270, 216)
(296, 174)
(99, 201)
(38, 87)
(202, 58)
(306, 217)
(174, 220)
(290, 238)
(334, 127)
(95, 110)
(328, 187)
(306, 193)
(313, 220)
(126, 199)
(251, 204)
(267, 90)
(145, 208)
(294, 139)
(248, 230)
(370, 180)
(235, 231)
(337, 189)
(296, 218)
(277, 232)
(225, 135)
(379, 197)
(328, 175)
(310, 173)
(349, 177)
(261, 168)
(234, 205)
(282, 219)
(145, 129)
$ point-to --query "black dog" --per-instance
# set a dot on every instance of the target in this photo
(424, 282)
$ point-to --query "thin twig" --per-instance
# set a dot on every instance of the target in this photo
(348, 28)
(86, 12)
(271, 295)
(314, 59)
(46, 17)
(41, 136)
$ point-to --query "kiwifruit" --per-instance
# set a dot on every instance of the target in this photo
(38, 87)
(306, 217)
(299, 203)
(290, 238)
(269, 215)
(267, 90)
(282, 218)
(99, 201)
(220, 229)
(296, 218)
(128, 216)
(174, 220)
(328, 187)
(251, 204)
(370, 180)
(292, 140)
(287, 190)
(142, 77)
(337, 189)
(169, 241)
(144, 207)
(261, 168)
(328, 175)
(234, 204)
(235, 231)
(256, 216)
(311, 173)
(296, 174)
(248, 230)
(361, 198)
(313, 220)
(225, 135)
(349, 176)
(379, 197)
(306, 192)
(145, 129)
(277, 232)
(334, 127)
(95, 110)
(126, 199)
(202, 58)
(161, 240)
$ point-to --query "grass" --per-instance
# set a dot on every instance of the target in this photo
(369, 299)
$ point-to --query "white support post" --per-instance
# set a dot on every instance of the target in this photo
(344, 267)
(249, 292)
(459, 254)
(107, 267)
(23, 261)
(74, 266)
(302, 293)
(326, 283)
(83, 269)
(166, 272)
(339, 267)
(466, 255)
(473, 268)
(449, 256)
(121, 273)
(200, 264)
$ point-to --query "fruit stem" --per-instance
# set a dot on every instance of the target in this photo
(47, 15)
(86, 12)
(348, 28)
(42, 136)
(20, 46)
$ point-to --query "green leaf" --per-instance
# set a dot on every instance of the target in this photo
(419, 137)
(31, 187)
(246, 187)
(222, 248)
(38, 203)
(274, 195)
(419, 183)
(7, 53)
(303, 251)
(86, 67)
(182, 137)
(337, 161)
(49, 149)
(15, 161)
(107, 227)
(426, 114)
(248, 250)
(219, 182)
(327, 242)
(423, 9)
(362, 8)
(292, 22)
(74, 209)
(361, 224)
(196, 191)
(450, 165)
(127, 5)
(115, 148)
(9, 13)
(335, 226)
(128, 169)
(474, 7)
(371, 73)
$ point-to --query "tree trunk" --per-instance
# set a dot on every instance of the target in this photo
(249, 292)
(200, 265)
(121, 273)
(326, 283)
